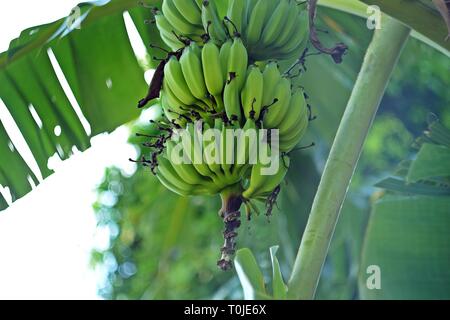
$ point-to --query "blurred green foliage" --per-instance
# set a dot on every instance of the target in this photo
(165, 247)
(407, 236)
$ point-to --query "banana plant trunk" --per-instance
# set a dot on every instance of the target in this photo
(380, 60)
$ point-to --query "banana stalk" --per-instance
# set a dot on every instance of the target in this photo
(231, 214)
(380, 60)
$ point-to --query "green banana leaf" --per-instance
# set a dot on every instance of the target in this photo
(103, 74)
(250, 276)
(14, 172)
(398, 185)
(279, 288)
(252, 279)
(407, 237)
(425, 166)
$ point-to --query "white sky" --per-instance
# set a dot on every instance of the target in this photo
(46, 238)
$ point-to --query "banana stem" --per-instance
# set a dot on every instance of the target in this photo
(381, 58)
(230, 212)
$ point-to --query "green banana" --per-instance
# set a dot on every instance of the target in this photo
(176, 105)
(288, 145)
(213, 146)
(302, 32)
(166, 31)
(237, 14)
(177, 20)
(298, 37)
(194, 148)
(278, 110)
(271, 77)
(231, 99)
(168, 176)
(256, 22)
(237, 170)
(238, 61)
(212, 23)
(246, 146)
(171, 100)
(190, 10)
(270, 29)
(224, 56)
(166, 183)
(296, 130)
(168, 111)
(163, 24)
(166, 170)
(186, 171)
(175, 80)
(226, 151)
(297, 111)
(274, 26)
(290, 27)
(213, 73)
(222, 7)
(191, 65)
(262, 184)
(174, 45)
(252, 93)
(250, 6)
(289, 141)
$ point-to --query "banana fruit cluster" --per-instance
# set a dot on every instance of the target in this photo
(231, 115)
(270, 29)
(204, 165)
(213, 158)
(209, 80)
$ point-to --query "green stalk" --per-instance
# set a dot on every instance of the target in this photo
(381, 58)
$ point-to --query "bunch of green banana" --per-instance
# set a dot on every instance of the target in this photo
(184, 86)
(270, 29)
(276, 29)
(210, 80)
(262, 183)
(212, 22)
(206, 80)
(206, 160)
(179, 18)
(268, 96)
(182, 178)
(295, 123)
(220, 101)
